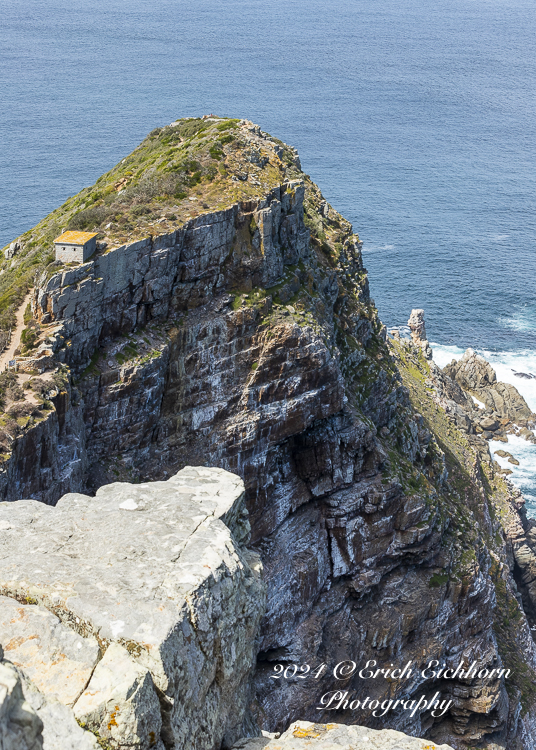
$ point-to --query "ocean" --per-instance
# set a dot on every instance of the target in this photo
(417, 120)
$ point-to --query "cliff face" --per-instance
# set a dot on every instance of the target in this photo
(245, 338)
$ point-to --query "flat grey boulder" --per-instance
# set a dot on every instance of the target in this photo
(488, 423)
(157, 574)
(304, 735)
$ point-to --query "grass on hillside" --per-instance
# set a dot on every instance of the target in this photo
(148, 193)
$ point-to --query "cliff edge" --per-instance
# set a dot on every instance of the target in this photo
(241, 334)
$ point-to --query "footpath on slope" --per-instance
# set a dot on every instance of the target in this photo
(9, 353)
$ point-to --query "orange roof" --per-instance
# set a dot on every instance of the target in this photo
(75, 238)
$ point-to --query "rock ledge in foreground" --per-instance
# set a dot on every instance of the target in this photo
(303, 735)
(149, 592)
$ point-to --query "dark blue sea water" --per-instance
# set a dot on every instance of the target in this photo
(416, 118)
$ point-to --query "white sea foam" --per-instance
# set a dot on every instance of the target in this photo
(480, 404)
(524, 475)
(376, 248)
(523, 318)
(505, 365)
(443, 355)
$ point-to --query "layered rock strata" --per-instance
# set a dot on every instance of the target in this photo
(246, 339)
(138, 609)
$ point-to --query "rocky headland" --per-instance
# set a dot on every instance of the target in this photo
(226, 322)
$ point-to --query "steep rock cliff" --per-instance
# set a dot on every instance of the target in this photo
(245, 338)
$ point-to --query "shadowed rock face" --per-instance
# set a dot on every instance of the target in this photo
(247, 340)
(29, 720)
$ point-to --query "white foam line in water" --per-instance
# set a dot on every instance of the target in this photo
(443, 355)
(375, 248)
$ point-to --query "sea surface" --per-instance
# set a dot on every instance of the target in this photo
(417, 120)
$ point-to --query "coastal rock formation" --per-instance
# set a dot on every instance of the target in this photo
(304, 735)
(138, 608)
(478, 377)
(12, 250)
(418, 332)
(244, 337)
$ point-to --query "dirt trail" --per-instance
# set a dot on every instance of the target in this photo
(9, 353)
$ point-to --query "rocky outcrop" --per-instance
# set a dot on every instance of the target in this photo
(478, 377)
(138, 609)
(155, 279)
(303, 735)
(246, 339)
(12, 250)
(418, 332)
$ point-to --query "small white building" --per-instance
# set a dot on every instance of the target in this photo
(75, 247)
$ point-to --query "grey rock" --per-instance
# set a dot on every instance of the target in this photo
(488, 423)
(12, 250)
(61, 731)
(160, 569)
(349, 547)
(303, 735)
(476, 376)
(58, 660)
(120, 702)
(418, 332)
(20, 726)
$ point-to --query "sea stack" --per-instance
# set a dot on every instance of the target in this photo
(418, 332)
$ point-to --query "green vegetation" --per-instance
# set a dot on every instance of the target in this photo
(28, 338)
(438, 579)
(192, 158)
(92, 368)
(520, 685)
